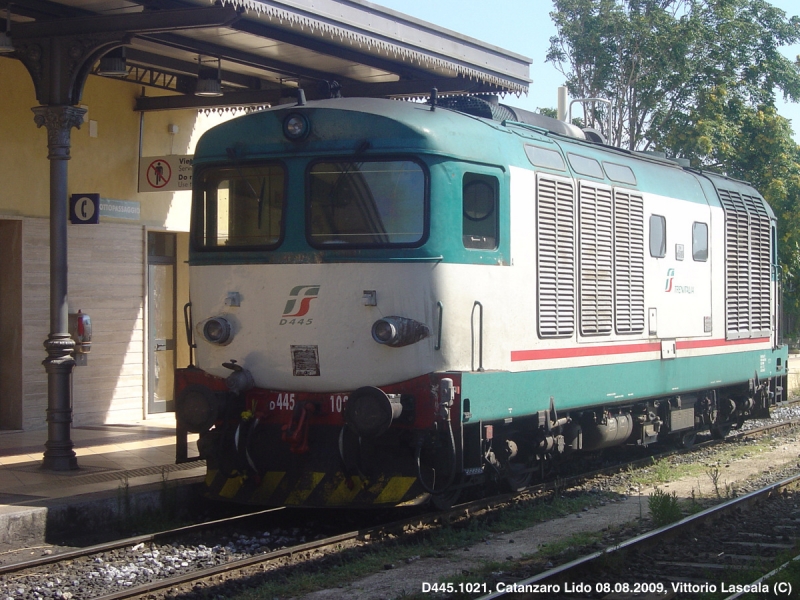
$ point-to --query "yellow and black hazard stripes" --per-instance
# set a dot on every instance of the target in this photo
(304, 488)
(313, 488)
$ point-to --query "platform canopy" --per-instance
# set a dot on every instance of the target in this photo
(264, 49)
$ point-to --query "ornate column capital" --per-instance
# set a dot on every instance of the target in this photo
(59, 121)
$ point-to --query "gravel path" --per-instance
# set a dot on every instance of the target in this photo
(86, 578)
(747, 474)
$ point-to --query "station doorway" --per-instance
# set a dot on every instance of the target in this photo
(11, 324)
(161, 301)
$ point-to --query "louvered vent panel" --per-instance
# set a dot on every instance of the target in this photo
(596, 259)
(747, 265)
(629, 261)
(737, 280)
(759, 266)
(555, 232)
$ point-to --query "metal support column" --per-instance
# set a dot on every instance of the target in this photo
(59, 454)
(59, 54)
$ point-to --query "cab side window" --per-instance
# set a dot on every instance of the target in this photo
(480, 223)
(658, 236)
(699, 241)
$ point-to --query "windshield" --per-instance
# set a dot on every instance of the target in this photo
(366, 203)
(242, 206)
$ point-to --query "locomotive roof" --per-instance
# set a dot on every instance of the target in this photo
(364, 126)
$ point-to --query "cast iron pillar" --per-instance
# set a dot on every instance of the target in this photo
(58, 454)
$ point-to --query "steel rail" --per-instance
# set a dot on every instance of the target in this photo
(761, 579)
(432, 517)
(235, 565)
(251, 561)
(651, 537)
(455, 512)
(130, 541)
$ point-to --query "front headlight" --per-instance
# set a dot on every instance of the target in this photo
(217, 330)
(296, 127)
(398, 331)
(383, 331)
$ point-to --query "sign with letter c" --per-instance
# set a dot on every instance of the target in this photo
(84, 209)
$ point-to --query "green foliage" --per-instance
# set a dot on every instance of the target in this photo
(353, 563)
(655, 59)
(697, 79)
(549, 112)
(664, 507)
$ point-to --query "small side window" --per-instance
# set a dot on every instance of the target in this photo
(544, 157)
(700, 241)
(585, 165)
(480, 224)
(658, 236)
(620, 173)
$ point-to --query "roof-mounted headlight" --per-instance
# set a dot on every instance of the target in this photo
(398, 331)
(218, 330)
(296, 126)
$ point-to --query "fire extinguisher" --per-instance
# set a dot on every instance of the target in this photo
(80, 328)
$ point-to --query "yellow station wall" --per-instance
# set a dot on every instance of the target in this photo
(107, 261)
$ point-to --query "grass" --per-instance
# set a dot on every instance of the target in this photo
(664, 507)
(662, 471)
(744, 577)
(565, 550)
(668, 469)
(445, 542)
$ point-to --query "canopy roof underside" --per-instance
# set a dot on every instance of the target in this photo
(265, 49)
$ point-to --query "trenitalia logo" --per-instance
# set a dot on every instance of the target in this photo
(304, 294)
(677, 289)
(670, 277)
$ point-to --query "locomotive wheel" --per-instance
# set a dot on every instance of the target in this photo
(686, 440)
(446, 499)
(719, 431)
(518, 476)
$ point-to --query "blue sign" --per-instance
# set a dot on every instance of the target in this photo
(84, 208)
(120, 209)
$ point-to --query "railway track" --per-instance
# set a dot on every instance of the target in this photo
(202, 566)
(716, 551)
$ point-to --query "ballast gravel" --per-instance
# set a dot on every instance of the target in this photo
(85, 578)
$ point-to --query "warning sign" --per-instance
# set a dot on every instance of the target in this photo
(159, 173)
(165, 173)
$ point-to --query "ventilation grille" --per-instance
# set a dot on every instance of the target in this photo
(747, 265)
(595, 211)
(555, 229)
(629, 261)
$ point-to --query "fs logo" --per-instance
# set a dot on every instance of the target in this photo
(304, 294)
(670, 277)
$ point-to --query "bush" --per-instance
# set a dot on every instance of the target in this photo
(664, 508)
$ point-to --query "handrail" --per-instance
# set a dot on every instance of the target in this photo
(438, 345)
(480, 331)
(583, 102)
(187, 319)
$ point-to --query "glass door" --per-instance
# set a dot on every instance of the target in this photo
(161, 319)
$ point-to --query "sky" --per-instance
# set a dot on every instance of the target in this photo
(525, 27)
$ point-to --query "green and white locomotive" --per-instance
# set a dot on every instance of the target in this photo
(392, 301)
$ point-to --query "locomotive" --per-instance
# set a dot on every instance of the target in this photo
(394, 301)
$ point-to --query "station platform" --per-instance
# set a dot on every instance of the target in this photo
(122, 468)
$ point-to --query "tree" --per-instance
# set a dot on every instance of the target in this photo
(655, 58)
(697, 79)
